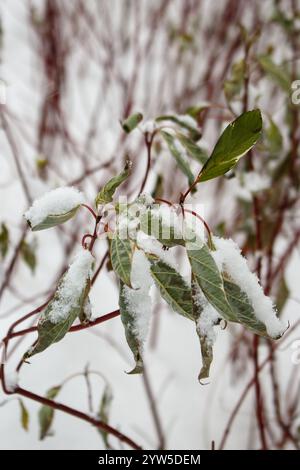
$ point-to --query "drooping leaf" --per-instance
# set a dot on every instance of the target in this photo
(236, 140)
(24, 415)
(46, 413)
(276, 72)
(121, 258)
(4, 239)
(66, 305)
(209, 279)
(173, 288)
(104, 411)
(132, 122)
(194, 151)
(107, 192)
(180, 159)
(152, 223)
(128, 320)
(27, 251)
(201, 308)
(184, 123)
(207, 356)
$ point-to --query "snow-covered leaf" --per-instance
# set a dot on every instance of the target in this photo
(46, 413)
(250, 305)
(236, 140)
(209, 279)
(132, 122)
(66, 305)
(24, 417)
(128, 318)
(207, 356)
(54, 208)
(104, 411)
(107, 192)
(206, 318)
(121, 258)
(135, 307)
(242, 308)
(173, 288)
(179, 157)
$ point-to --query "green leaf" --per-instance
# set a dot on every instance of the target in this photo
(205, 345)
(274, 138)
(242, 308)
(276, 72)
(194, 133)
(158, 189)
(195, 111)
(128, 320)
(121, 258)
(104, 411)
(173, 288)
(27, 251)
(107, 192)
(4, 240)
(194, 151)
(52, 330)
(207, 355)
(46, 413)
(153, 224)
(24, 415)
(181, 161)
(132, 122)
(237, 139)
(209, 279)
(53, 219)
(283, 294)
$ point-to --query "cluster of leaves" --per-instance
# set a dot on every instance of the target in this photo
(227, 298)
(277, 159)
(236, 140)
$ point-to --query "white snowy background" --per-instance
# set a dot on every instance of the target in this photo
(192, 415)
